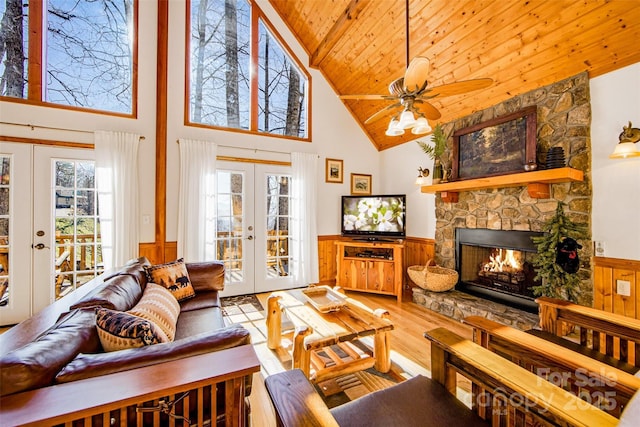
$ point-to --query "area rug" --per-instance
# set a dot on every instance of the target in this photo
(242, 309)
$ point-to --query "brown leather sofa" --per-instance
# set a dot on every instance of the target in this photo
(61, 344)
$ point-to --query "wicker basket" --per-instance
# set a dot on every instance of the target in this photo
(432, 277)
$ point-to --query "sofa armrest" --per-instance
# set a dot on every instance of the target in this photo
(127, 397)
(98, 364)
(206, 276)
(296, 401)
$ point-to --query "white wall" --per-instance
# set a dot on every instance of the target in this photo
(615, 100)
(400, 169)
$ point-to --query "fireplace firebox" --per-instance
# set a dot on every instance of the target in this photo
(498, 265)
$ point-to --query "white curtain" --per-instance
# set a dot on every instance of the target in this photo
(304, 233)
(117, 184)
(196, 204)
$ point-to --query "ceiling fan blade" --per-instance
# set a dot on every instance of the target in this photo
(381, 113)
(457, 88)
(416, 75)
(429, 111)
(368, 97)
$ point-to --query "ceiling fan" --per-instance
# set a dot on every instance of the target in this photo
(412, 93)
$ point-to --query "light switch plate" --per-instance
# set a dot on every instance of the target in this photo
(623, 287)
(599, 248)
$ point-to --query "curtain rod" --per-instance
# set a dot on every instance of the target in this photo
(255, 150)
(142, 138)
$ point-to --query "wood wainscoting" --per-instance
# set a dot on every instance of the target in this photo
(417, 251)
(606, 273)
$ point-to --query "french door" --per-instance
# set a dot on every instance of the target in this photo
(252, 226)
(49, 227)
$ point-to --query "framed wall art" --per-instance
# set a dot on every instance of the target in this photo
(360, 184)
(333, 171)
(500, 146)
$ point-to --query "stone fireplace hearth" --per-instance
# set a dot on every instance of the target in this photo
(563, 120)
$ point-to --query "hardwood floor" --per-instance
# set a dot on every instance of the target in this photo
(410, 351)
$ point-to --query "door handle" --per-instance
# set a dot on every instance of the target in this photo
(249, 237)
(39, 246)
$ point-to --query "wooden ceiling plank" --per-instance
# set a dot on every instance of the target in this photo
(535, 54)
(338, 30)
(368, 59)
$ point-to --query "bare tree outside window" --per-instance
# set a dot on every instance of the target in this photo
(220, 48)
(89, 54)
(13, 48)
(220, 80)
(281, 98)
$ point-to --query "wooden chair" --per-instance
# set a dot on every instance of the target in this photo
(595, 381)
(512, 395)
(611, 334)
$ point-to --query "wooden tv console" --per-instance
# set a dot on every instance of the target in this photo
(370, 266)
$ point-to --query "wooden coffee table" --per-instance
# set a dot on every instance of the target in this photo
(316, 332)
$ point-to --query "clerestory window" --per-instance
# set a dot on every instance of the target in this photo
(73, 53)
(241, 75)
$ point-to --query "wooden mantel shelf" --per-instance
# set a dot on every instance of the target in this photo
(537, 183)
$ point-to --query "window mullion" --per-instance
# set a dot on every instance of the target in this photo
(254, 69)
(36, 41)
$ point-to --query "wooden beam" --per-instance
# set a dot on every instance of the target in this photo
(336, 32)
(161, 128)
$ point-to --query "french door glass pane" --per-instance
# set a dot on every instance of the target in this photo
(5, 211)
(78, 251)
(229, 224)
(278, 216)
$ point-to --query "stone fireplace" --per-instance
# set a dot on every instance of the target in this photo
(563, 120)
(498, 265)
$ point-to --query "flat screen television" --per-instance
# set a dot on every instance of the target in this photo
(374, 217)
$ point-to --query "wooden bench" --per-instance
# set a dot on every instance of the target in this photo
(596, 382)
(611, 334)
(512, 395)
(143, 396)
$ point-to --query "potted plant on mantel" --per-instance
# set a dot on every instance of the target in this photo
(439, 140)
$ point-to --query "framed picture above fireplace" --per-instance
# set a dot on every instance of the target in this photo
(499, 146)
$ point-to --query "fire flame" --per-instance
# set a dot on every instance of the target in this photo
(503, 260)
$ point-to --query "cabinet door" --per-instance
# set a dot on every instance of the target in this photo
(380, 276)
(353, 274)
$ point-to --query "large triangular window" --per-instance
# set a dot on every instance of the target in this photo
(227, 40)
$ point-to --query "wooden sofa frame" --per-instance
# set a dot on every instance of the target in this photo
(612, 334)
(596, 382)
(148, 392)
(512, 396)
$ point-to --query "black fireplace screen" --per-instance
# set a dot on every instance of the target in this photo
(497, 263)
(506, 270)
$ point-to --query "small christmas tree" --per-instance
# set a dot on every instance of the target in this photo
(556, 282)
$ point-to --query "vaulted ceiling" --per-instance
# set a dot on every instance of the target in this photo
(359, 46)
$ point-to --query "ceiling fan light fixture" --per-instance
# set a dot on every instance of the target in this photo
(421, 127)
(407, 120)
(394, 129)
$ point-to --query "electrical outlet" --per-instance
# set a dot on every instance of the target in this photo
(146, 219)
(599, 248)
(623, 287)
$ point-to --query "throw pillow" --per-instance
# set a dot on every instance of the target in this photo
(173, 276)
(160, 307)
(119, 330)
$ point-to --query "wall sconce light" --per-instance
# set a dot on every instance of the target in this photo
(422, 176)
(627, 146)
